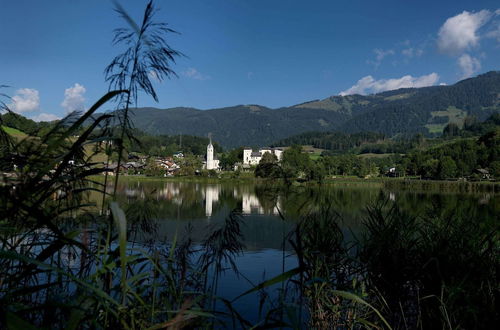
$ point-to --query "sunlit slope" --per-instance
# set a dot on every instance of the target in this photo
(404, 111)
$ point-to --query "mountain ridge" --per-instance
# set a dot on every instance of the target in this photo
(404, 111)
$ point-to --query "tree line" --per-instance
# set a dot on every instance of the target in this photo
(459, 153)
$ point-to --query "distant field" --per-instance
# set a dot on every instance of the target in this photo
(371, 155)
(435, 128)
(314, 153)
(454, 115)
(100, 157)
(398, 96)
(14, 132)
(89, 150)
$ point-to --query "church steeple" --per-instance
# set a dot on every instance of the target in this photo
(210, 154)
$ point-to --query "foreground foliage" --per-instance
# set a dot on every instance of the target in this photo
(68, 263)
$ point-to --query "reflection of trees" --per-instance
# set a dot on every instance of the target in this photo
(183, 200)
(447, 205)
(268, 197)
(180, 200)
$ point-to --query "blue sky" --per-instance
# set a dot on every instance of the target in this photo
(272, 53)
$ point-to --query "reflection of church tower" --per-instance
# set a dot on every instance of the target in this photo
(211, 196)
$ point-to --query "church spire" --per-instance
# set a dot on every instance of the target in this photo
(211, 163)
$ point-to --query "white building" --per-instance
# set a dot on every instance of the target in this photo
(212, 161)
(252, 157)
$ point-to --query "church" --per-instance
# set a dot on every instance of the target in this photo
(212, 161)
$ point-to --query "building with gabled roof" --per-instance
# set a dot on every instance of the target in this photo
(252, 157)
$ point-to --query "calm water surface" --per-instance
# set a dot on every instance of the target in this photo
(269, 213)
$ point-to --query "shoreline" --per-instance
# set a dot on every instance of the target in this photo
(417, 185)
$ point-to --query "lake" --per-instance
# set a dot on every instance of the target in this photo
(268, 213)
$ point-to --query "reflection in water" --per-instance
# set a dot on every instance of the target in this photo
(189, 201)
(211, 197)
(195, 209)
(170, 192)
(252, 205)
(175, 193)
(181, 204)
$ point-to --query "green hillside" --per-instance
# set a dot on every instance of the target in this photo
(14, 132)
(16, 124)
(429, 109)
(401, 112)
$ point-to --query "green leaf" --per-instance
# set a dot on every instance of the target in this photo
(74, 319)
(14, 322)
(11, 255)
(277, 279)
(121, 225)
(355, 298)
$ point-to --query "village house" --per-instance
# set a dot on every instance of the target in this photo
(166, 163)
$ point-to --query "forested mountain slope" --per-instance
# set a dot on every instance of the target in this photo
(429, 109)
(401, 112)
(404, 111)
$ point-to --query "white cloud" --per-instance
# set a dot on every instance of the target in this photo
(459, 33)
(495, 32)
(73, 98)
(469, 65)
(25, 100)
(250, 75)
(45, 117)
(412, 52)
(368, 85)
(380, 54)
(195, 74)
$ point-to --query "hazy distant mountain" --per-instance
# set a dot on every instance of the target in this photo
(408, 110)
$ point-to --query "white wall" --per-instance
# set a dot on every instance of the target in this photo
(246, 156)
